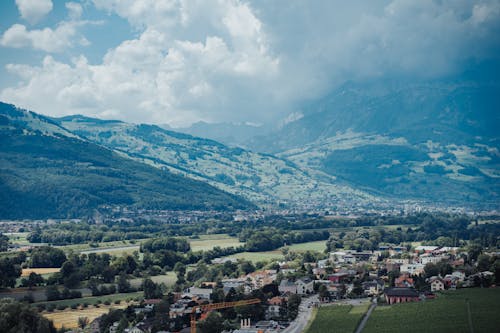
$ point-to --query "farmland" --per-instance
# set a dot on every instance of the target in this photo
(92, 300)
(42, 271)
(318, 246)
(447, 313)
(341, 318)
(69, 318)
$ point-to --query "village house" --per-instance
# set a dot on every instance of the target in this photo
(373, 288)
(412, 269)
(304, 286)
(401, 295)
(287, 287)
(404, 281)
(436, 284)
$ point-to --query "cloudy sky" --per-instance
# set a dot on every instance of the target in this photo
(180, 61)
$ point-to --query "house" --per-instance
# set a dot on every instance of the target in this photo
(426, 249)
(401, 295)
(338, 277)
(287, 287)
(429, 258)
(304, 286)
(372, 288)
(275, 304)
(200, 292)
(412, 269)
(404, 281)
(437, 284)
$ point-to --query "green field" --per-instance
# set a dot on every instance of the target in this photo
(337, 318)
(318, 246)
(95, 299)
(168, 279)
(259, 256)
(208, 242)
(447, 313)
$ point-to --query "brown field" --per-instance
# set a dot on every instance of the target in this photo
(41, 271)
(69, 318)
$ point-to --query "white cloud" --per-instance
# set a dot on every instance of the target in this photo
(74, 10)
(33, 10)
(229, 60)
(47, 39)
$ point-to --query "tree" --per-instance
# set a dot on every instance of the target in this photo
(212, 324)
(123, 284)
(151, 289)
(431, 269)
(52, 293)
(293, 306)
(47, 256)
(10, 270)
(4, 242)
(83, 322)
(323, 292)
(22, 318)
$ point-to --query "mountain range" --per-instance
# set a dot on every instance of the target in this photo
(47, 171)
(367, 144)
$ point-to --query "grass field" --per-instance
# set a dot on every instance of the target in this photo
(208, 242)
(318, 246)
(259, 256)
(447, 313)
(95, 299)
(337, 318)
(69, 318)
(168, 279)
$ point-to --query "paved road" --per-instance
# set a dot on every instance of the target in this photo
(305, 311)
(362, 324)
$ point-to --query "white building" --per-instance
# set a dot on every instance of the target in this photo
(412, 269)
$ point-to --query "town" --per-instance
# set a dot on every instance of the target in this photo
(269, 279)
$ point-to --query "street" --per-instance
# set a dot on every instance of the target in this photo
(305, 311)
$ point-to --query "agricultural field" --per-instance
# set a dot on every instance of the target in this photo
(448, 313)
(168, 279)
(208, 242)
(42, 271)
(69, 318)
(92, 300)
(337, 318)
(318, 246)
(259, 256)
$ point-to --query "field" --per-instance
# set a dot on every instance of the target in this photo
(447, 313)
(42, 271)
(208, 242)
(168, 279)
(69, 318)
(337, 318)
(96, 299)
(318, 246)
(259, 256)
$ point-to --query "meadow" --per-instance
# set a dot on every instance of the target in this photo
(449, 312)
(337, 318)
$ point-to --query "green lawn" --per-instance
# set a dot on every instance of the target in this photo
(447, 313)
(337, 318)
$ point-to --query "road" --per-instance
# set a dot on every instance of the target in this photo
(305, 311)
(362, 324)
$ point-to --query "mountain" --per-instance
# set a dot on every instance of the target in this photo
(230, 134)
(260, 178)
(435, 141)
(47, 171)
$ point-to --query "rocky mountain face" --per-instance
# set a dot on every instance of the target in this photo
(432, 141)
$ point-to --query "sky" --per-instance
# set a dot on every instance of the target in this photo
(181, 61)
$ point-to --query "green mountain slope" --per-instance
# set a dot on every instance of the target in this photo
(46, 171)
(432, 141)
(261, 178)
